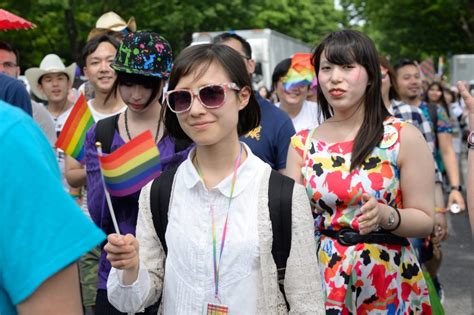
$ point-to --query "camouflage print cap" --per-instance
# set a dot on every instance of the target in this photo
(144, 53)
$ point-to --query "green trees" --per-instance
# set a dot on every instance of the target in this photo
(407, 28)
(63, 25)
(416, 29)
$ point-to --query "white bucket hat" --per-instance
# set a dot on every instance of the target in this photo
(50, 64)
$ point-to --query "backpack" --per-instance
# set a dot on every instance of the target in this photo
(280, 193)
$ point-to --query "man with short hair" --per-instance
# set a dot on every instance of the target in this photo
(410, 88)
(12, 91)
(271, 139)
(10, 61)
(97, 56)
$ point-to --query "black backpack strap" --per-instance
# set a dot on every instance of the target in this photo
(104, 132)
(433, 111)
(160, 195)
(280, 196)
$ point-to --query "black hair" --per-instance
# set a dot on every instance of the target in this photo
(453, 95)
(231, 35)
(442, 100)
(347, 47)
(281, 69)
(93, 43)
(393, 91)
(404, 62)
(8, 47)
(191, 59)
(148, 82)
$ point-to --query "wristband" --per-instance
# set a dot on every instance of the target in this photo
(75, 195)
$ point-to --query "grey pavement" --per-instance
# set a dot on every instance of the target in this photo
(457, 270)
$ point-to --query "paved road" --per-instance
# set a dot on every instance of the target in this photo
(457, 270)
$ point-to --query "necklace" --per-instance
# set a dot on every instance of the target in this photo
(128, 131)
(216, 263)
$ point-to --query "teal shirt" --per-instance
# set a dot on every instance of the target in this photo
(443, 126)
(42, 230)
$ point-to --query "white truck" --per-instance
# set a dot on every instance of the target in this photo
(462, 69)
(268, 49)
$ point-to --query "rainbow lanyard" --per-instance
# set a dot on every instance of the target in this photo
(224, 232)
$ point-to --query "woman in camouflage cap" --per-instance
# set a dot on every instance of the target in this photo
(143, 63)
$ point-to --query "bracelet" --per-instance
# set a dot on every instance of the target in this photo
(75, 195)
(399, 220)
(441, 210)
(458, 188)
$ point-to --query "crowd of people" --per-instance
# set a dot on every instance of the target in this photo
(323, 198)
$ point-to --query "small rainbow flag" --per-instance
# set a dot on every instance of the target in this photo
(132, 166)
(428, 70)
(71, 139)
(301, 72)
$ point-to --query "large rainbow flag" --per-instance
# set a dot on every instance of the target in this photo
(301, 72)
(132, 166)
(71, 139)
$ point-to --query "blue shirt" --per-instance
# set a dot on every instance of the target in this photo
(14, 92)
(271, 139)
(42, 230)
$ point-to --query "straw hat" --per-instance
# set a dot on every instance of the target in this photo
(50, 64)
(111, 21)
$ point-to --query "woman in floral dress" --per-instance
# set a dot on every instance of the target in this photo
(370, 179)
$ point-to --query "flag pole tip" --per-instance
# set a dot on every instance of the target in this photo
(98, 144)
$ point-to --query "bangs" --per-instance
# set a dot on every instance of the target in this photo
(200, 64)
(148, 82)
(340, 52)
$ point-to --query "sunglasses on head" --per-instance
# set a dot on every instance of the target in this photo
(211, 96)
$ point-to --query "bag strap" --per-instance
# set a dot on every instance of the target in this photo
(280, 196)
(104, 132)
(433, 111)
(160, 194)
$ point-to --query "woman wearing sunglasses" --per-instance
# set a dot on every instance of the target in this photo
(142, 64)
(219, 234)
(370, 178)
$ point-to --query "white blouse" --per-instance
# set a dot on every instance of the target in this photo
(189, 278)
(309, 117)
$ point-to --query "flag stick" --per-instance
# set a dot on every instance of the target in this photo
(107, 196)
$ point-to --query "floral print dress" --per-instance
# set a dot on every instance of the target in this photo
(362, 278)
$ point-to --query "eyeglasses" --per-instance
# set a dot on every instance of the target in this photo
(211, 96)
(8, 64)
